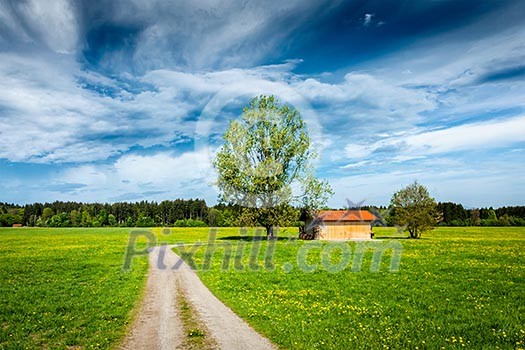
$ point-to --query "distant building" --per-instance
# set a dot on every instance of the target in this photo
(340, 225)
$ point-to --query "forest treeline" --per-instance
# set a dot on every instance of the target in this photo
(454, 214)
(179, 212)
(195, 212)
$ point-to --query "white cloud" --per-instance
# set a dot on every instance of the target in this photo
(200, 54)
(363, 88)
(359, 164)
(43, 110)
(474, 136)
(51, 117)
(363, 106)
(482, 135)
(458, 84)
(368, 19)
(189, 35)
(163, 168)
(62, 122)
(50, 25)
(10, 27)
(356, 151)
(164, 34)
(54, 21)
(133, 176)
(487, 184)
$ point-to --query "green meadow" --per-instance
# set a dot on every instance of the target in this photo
(454, 288)
(65, 288)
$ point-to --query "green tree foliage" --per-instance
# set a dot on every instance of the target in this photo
(99, 214)
(75, 217)
(11, 216)
(215, 218)
(414, 209)
(47, 214)
(453, 214)
(475, 217)
(112, 221)
(103, 217)
(264, 153)
(145, 221)
(189, 223)
(59, 220)
(130, 222)
(167, 213)
(284, 215)
(86, 218)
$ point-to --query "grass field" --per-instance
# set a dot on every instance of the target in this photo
(455, 288)
(64, 288)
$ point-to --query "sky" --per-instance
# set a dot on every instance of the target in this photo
(116, 100)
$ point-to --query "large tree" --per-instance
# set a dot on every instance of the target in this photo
(265, 152)
(414, 209)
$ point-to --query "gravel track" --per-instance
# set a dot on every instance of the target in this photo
(158, 325)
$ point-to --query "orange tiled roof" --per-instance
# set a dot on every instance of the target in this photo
(346, 215)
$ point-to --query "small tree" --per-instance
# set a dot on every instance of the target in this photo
(413, 208)
(75, 217)
(47, 214)
(103, 217)
(86, 218)
(215, 217)
(112, 221)
(264, 152)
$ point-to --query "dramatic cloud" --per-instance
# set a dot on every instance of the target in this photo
(135, 177)
(69, 115)
(146, 35)
(474, 136)
(124, 100)
(50, 23)
(366, 97)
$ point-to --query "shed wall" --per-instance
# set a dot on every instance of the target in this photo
(346, 230)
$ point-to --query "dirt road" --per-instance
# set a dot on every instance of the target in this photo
(158, 324)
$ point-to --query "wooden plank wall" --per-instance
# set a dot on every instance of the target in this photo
(346, 230)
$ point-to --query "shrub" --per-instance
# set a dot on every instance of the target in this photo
(145, 221)
(190, 223)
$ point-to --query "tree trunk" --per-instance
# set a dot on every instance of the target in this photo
(414, 233)
(269, 232)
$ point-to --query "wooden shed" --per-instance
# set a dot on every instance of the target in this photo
(342, 224)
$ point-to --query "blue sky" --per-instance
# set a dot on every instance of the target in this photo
(126, 100)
